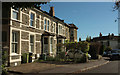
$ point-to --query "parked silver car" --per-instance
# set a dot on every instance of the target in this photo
(77, 54)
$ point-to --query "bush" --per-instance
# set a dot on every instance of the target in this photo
(102, 49)
(50, 58)
(94, 50)
(62, 55)
(25, 58)
(108, 49)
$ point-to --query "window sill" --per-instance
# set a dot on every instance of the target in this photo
(16, 20)
(14, 54)
(32, 27)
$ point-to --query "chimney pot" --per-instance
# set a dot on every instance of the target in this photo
(100, 34)
(52, 12)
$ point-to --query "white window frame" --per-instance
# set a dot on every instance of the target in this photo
(34, 26)
(14, 42)
(45, 24)
(48, 25)
(40, 22)
(54, 27)
(17, 11)
(33, 43)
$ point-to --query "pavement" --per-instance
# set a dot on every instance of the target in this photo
(53, 68)
(112, 67)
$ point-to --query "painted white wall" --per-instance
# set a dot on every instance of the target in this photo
(114, 44)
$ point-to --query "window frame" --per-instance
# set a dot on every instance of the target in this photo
(33, 20)
(48, 25)
(45, 23)
(17, 12)
(15, 41)
(32, 44)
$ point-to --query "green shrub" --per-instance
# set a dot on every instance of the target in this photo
(102, 49)
(82, 59)
(50, 58)
(25, 58)
(108, 49)
(62, 55)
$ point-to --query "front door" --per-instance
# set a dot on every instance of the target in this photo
(45, 45)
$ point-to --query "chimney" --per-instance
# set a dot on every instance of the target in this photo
(100, 35)
(112, 34)
(40, 7)
(109, 34)
(51, 11)
(62, 20)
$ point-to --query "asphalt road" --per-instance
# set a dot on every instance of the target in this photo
(113, 68)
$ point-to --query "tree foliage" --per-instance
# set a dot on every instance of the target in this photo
(83, 46)
(117, 5)
(94, 49)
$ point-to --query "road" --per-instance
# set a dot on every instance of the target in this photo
(113, 67)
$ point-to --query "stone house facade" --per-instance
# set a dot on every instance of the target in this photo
(110, 40)
(32, 30)
(73, 33)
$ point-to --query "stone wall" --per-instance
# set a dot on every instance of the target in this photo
(38, 37)
(37, 23)
(25, 35)
(24, 46)
(38, 47)
(25, 19)
(13, 63)
(15, 24)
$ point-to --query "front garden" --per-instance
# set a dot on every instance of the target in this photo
(75, 52)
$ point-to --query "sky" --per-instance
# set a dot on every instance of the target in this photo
(91, 18)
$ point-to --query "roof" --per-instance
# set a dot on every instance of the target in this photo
(106, 38)
(73, 26)
(52, 16)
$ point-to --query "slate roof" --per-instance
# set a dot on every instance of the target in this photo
(106, 38)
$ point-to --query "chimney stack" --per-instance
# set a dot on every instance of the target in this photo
(100, 35)
(112, 34)
(52, 12)
(40, 7)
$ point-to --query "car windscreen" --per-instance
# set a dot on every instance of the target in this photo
(113, 51)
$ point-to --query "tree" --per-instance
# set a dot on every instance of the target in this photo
(116, 6)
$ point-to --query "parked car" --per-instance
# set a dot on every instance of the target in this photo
(115, 54)
(77, 54)
(107, 54)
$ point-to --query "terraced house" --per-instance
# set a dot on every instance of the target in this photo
(33, 31)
